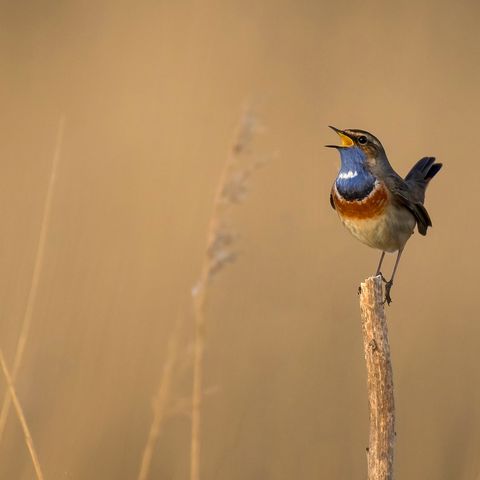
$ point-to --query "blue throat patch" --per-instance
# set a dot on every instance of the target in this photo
(354, 181)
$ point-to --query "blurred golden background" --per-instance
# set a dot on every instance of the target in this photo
(151, 93)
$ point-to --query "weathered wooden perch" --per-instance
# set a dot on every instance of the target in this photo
(379, 380)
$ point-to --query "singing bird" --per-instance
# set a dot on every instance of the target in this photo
(377, 206)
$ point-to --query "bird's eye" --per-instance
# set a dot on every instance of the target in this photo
(362, 140)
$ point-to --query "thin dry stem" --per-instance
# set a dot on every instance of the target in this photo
(197, 385)
(32, 294)
(231, 189)
(21, 417)
(160, 405)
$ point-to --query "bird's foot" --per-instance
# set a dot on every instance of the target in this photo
(388, 287)
(384, 280)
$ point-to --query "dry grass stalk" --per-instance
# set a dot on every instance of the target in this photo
(32, 294)
(379, 380)
(18, 408)
(160, 404)
(232, 189)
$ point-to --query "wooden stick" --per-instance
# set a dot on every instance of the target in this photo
(379, 380)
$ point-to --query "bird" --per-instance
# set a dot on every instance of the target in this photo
(378, 206)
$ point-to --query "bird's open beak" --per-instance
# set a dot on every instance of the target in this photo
(346, 140)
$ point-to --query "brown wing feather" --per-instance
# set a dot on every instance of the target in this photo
(400, 192)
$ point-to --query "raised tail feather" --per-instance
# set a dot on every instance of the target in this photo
(420, 175)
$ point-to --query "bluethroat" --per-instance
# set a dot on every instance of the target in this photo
(377, 206)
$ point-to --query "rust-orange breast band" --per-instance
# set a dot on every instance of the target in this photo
(369, 207)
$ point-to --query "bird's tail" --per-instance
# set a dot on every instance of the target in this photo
(420, 175)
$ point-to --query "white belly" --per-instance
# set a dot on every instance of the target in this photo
(387, 232)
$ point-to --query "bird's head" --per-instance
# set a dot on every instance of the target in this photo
(360, 146)
(363, 161)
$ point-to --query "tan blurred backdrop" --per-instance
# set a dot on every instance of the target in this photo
(151, 92)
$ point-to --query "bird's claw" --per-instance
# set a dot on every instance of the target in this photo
(388, 287)
(384, 280)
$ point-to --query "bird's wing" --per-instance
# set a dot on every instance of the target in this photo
(403, 196)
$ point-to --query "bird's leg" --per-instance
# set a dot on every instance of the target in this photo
(379, 267)
(389, 284)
